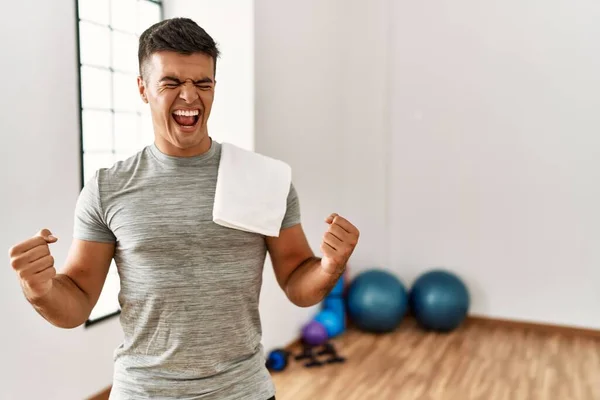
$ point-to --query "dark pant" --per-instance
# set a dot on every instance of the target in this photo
(272, 398)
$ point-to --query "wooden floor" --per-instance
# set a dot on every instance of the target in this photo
(478, 361)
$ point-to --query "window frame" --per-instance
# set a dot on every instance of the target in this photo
(80, 116)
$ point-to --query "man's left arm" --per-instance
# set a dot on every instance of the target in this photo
(305, 278)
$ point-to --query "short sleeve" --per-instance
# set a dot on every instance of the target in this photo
(292, 215)
(89, 221)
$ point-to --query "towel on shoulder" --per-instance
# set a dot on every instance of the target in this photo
(251, 192)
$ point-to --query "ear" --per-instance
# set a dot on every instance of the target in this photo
(142, 89)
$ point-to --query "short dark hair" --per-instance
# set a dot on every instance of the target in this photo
(181, 35)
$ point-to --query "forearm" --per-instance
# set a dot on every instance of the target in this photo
(309, 284)
(65, 305)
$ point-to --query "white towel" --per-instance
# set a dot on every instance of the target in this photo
(252, 190)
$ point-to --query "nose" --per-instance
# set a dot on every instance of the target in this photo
(188, 92)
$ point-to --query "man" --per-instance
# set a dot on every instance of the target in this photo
(189, 287)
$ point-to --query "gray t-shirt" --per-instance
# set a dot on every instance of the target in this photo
(189, 287)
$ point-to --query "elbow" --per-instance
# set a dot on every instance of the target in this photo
(302, 300)
(68, 324)
(304, 303)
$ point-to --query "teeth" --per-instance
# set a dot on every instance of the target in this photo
(186, 113)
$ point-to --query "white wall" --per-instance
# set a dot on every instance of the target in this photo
(361, 151)
(496, 158)
(231, 24)
(320, 84)
(460, 136)
(40, 183)
(298, 111)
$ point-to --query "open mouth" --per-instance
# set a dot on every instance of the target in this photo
(186, 118)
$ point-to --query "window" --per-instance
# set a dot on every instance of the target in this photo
(115, 123)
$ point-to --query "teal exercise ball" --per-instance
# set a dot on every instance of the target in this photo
(439, 300)
(377, 301)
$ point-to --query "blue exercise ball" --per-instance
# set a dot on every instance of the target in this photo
(439, 300)
(377, 301)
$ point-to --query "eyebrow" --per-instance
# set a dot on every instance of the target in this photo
(171, 78)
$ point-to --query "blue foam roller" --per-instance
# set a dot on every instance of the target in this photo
(332, 322)
(336, 305)
(338, 289)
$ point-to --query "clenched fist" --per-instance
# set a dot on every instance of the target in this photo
(34, 264)
(338, 243)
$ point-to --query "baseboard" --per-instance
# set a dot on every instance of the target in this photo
(501, 322)
(537, 326)
(103, 395)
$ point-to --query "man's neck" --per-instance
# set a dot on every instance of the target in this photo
(173, 151)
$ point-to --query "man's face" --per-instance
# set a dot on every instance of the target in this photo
(180, 91)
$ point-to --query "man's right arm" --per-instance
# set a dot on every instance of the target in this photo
(66, 300)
